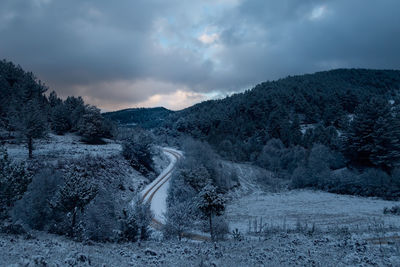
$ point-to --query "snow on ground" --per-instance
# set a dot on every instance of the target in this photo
(65, 146)
(325, 210)
(292, 249)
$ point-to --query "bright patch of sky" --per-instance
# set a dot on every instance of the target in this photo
(318, 12)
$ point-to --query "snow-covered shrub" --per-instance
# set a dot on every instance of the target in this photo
(221, 227)
(77, 191)
(179, 219)
(395, 210)
(101, 218)
(237, 235)
(14, 181)
(135, 222)
(129, 228)
(34, 208)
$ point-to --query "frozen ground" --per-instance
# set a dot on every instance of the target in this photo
(293, 249)
(61, 147)
(323, 209)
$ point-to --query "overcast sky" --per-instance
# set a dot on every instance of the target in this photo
(131, 53)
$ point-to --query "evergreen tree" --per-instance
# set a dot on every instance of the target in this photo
(31, 123)
(138, 151)
(91, 126)
(77, 192)
(60, 120)
(211, 204)
(373, 139)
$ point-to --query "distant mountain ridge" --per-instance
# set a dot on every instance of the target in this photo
(144, 117)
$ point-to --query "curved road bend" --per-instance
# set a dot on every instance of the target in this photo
(156, 194)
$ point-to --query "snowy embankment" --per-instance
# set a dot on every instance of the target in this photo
(157, 191)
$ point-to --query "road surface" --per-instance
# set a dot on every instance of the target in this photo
(156, 194)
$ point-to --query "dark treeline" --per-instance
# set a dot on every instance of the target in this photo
(25, 109)
(144, 117)
(309, 127)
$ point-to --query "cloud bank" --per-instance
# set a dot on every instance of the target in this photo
(177, 53)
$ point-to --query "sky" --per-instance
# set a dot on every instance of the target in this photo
(175, 53)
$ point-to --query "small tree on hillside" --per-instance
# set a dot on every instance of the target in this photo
(77, 191)
(179, 219)
(91, 126)
(31, 123)
(211, 204)
(14, 181)
(60, 119)
(135, 221)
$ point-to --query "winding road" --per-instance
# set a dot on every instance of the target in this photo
(156, 194)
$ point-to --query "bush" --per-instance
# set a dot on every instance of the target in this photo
(14, 181)
(101, 218)
(221, 228)
(34, 208)
(135, 222)
(395, 210)
(179, 219)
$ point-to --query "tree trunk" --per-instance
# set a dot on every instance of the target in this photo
(73, 221)
(211, 228)
(30, 146)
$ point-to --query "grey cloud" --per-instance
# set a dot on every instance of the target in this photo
(105, 49)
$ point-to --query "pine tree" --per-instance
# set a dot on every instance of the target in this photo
(31, 123)
(373, 139)
(211, 203)
(77, 192)
(60, 120)
(91, 125)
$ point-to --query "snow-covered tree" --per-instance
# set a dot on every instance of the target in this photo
(179, 219)
(34, 207)
(60, 122)
(31, 123)
(14, 181)
(91, 126)
(211, 204)
(135, 222)
(373, 139)
(138, 151)
(73, 196)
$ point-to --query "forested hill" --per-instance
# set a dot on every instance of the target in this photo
(324, 103)
(27, 112)
(144, 117)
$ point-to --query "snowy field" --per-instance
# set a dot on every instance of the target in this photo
(61, 147)
(325, 210)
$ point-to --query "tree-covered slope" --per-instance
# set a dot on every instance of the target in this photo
(144, 117)
(240, 125)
